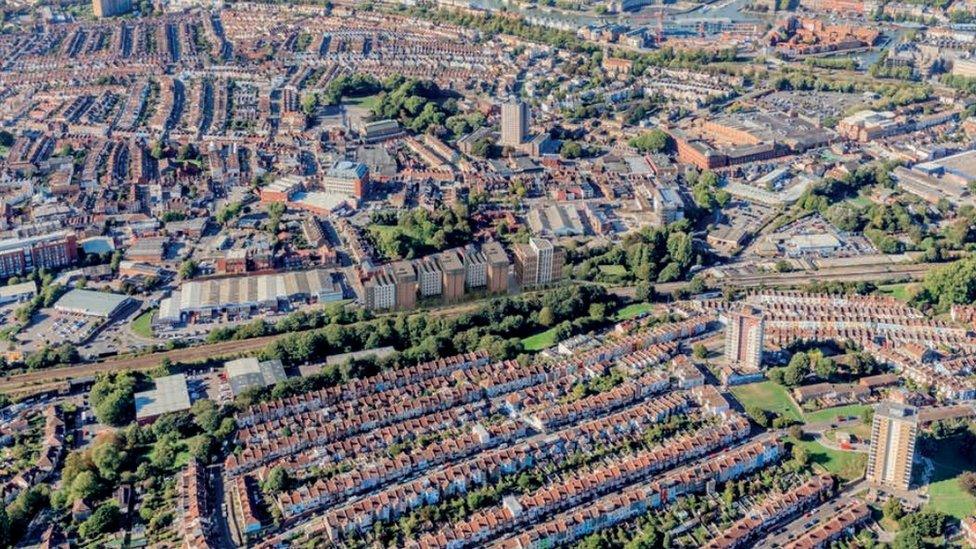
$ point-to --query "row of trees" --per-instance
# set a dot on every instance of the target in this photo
(496, 327)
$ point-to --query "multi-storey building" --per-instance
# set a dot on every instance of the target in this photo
(108, 8)
(744, 338)
(892, 451)
(24, 255)
(475, 268)
(406, 284)
(498, 267)
(515, 123)
(538, 263)
(429, 278)
(453, 275)
(380, 291)
(348, 178)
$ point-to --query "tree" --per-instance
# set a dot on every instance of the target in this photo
(699, 351)
(6, 138)
(85, 486)
(892, 509)
(792, 376)
(909, 539)
(277, 481)
(188, 269)
(571, 149)
(108, 458)
(115, 409)
(967, 481)
(801, 456)
(758, 415)
(205, 415)
(157, 150)
(104, 519)
(546, 317)
(653, 141)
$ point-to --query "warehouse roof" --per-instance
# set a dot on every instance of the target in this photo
(170, 395)
(91, 303)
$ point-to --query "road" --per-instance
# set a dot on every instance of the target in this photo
(798, 526)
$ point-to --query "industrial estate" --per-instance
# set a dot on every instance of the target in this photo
(488, 273)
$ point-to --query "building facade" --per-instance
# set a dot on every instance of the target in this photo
(538, 263)
(24, 255)
(515, 123)
(892, 451)
(108, 8)
(744, 338)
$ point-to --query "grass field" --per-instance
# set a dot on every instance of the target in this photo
(897, 291)
(142, 325)
(768, 396)
(540, 341)
(945, 494)
(846, 465)
(632, 310)
(613, 270)
(830, 414)
(860, 202)
(365, 102)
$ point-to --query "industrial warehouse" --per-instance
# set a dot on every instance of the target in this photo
(205, 300)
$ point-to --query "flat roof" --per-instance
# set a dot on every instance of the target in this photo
(16, 290)
(170, 395)
(244, 373)
(91, 303)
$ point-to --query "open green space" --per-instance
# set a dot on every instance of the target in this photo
(142, 325)
(846, 465)
(364, 102)
(830, 414)
(767, 396)
(945, 494)
(613, 270)
(632, 310)
(860, 201)
(897, 291)
(540, 341)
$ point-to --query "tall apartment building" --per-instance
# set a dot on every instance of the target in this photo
(24, 255)
(498, 267)
(453, 275)
(108, 8)
(429, 277)
(380, 291)
(538, 263)
(892, 451)
(744, 338)
(475, 267)
(406, 284)
(515, 123)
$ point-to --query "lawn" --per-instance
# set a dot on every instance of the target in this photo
(613, 270)
(860, 202)
(945, 494)
(540, 341)
(142, 325)
(830, 414)
(365, 102)
(897, 291)
(846, 465)
(768, 396)
(632, 310)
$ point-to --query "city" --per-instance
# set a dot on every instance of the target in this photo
(488, 273)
